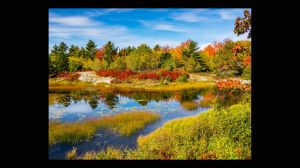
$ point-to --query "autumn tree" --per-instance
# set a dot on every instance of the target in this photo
(243, 25)
(100, 53)
(142, 58)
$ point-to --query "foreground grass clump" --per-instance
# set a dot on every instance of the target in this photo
(124, 123)
(217, 134)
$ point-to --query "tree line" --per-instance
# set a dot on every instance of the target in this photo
(224, 58)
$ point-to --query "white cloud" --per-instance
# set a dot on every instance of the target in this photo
(230, 14)
(102, 32)
(166, 27)
(72, 20)
(189, 17)
(100, 12)
(157, 25)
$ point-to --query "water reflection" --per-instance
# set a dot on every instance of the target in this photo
(190, 99)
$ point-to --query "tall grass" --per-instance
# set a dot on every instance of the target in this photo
(125, 123)
(218, 134)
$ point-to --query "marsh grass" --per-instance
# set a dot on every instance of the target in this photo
(125, 123)
(190, 105)
(218, 134)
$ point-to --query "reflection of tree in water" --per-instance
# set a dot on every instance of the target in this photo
(64, 99)
(189, 95)
(110, 99)
(187, 98)
(88, 96)
(227, 97)
(190, 105)
(143, 98)
(93, 101)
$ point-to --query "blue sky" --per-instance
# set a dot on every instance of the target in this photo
(134, 26)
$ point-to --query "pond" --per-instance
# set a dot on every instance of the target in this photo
(69, 106)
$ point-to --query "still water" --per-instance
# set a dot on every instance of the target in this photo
(69, 106)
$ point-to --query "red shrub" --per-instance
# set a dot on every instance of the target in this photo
(120, 75)
(172, 74)
(232, 84)
(148, 76)
(69, 76)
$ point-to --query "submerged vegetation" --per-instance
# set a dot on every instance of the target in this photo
(125, 123)
(218, 134)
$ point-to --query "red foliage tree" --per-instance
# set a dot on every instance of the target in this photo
(100, 53)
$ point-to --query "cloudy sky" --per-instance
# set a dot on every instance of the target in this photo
(131, 27)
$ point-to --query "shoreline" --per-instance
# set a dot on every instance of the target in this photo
(129, 87)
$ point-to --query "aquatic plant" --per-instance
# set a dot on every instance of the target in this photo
(72, 155)
(125, 123)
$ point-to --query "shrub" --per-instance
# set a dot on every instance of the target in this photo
(192, 66)
(173, 75)
(75, 64)
(247, 73)
(169, 65)
(120, 75)
(151, 75)
(232, 84)
(118, 64)
(168, 79)
(69, 76)
(183, 78)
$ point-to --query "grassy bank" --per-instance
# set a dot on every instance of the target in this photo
(136, 86)
(215, 134)
(123, 123)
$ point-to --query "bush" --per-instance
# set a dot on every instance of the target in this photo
(183, 78)
(153, 76)
(215, 134)
(118, 64)
(173, 75)
(69, 76)
(192, 66)
(120, 75)
(75, 64)
(247, 73)
(169, 65)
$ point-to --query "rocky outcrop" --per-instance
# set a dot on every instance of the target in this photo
(91, 76)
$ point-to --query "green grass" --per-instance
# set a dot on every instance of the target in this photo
(125, 123)
(218, 134)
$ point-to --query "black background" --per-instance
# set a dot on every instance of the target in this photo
(28, 48)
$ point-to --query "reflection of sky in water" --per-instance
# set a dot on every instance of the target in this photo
(82, 110)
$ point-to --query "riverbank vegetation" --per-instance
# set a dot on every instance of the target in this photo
(218, 134)
(122, 123)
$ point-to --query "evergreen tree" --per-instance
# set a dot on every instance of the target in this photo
(91, 49)
(109, 52)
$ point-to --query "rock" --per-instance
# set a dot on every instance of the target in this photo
(93, 77)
